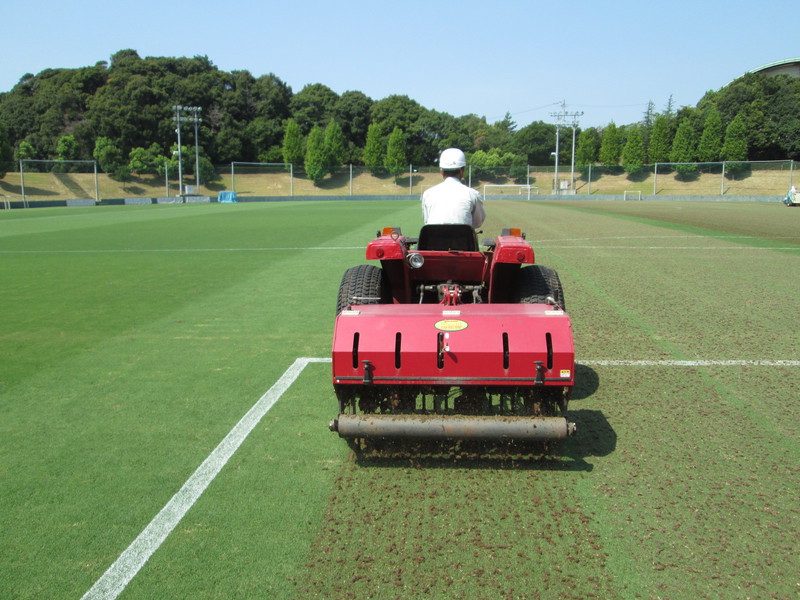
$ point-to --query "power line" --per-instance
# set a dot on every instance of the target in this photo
(527, 110)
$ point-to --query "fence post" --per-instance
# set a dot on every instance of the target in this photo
(722, 182)
(655, 179)
(22, 184)
(589, 193)
(96, 185)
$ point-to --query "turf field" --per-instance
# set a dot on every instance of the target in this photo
(134, 341)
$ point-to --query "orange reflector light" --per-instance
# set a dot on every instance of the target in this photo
(516, 232)
(388, 230)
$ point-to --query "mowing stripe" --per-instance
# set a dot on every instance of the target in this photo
(119, 574)
(135, 556)
(337, 248)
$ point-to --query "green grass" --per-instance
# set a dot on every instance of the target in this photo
(134, 338)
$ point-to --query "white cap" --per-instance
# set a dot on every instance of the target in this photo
(452, 159)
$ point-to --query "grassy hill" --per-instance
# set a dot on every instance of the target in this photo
(63, 186)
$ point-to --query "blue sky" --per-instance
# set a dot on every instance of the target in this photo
(605, 59)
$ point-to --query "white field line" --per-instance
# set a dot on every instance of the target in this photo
(665, 237)
(168, 250)
(119, 574)
(690, 363)
(559, 244)
(726, 248)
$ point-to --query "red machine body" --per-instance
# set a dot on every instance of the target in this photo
(468, 344)
(446, 329)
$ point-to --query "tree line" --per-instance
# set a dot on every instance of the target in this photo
(121, 114)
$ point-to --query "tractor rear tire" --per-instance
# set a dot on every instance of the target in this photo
(536, 282)
(362, 284)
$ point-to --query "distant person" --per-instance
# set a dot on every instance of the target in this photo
(451, 201)
(790, 197)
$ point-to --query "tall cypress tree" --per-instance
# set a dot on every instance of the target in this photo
(710, 146)
(588, 145)
(633, 153)
(335, 146)
(316, 157)
(396, 160)
(660, 140)
(683, 150)
(375, 148)
(292, 143)
(735, 146)
(610, 148)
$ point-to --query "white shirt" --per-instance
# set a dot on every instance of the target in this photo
(452, 202)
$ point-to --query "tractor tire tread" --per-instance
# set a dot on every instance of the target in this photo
(536, 282)
(367, 283)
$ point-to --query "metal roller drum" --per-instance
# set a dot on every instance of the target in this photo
(432, 427)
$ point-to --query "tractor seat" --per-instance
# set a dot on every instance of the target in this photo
(447, 237)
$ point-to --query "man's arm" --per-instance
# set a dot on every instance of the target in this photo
(478, 214)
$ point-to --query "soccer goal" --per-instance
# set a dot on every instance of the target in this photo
(631, 195)
(262, 179)
(509, 190)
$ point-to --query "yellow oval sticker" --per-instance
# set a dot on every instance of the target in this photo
(450, 325)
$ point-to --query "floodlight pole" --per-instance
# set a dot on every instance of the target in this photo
(196, 156)
(178, 108)
(96, 185)
(195, 118)
(22, 184)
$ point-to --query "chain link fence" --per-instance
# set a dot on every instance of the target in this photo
(53, 182)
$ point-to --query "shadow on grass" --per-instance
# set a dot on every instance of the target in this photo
(639, 176)
(75, 188)
(215, 186)
(586, 382)
(594, 437)
(337, 180)
(134, 190)
(29, 190)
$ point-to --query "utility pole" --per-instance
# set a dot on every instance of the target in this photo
(561, 121)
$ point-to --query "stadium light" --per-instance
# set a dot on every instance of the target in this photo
(194, 118)
(178, 108)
